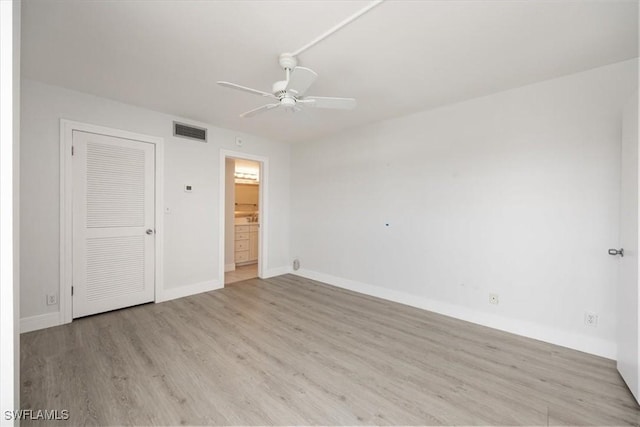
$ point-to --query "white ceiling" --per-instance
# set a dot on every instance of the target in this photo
(401, 57)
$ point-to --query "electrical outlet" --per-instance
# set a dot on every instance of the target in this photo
(52, 299)
(493, 299)
(590, 319)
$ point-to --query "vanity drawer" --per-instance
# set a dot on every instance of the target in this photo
(242, 236)
(242, 256)
(242, 228)
(254, 227)
(242, 245)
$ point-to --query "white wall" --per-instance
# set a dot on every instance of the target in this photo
(10, 19)
(516, 194)
(191, 240)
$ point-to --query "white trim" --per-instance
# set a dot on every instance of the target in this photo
(263, 210)
(41, 321)
(66, 206)
(579, 342)
(278, 271)
(9, 200)
(230, 267)
(185, 291)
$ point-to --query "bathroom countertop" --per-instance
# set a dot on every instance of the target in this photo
(243, 221)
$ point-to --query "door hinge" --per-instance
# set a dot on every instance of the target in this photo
(72, 150)
(72, 291)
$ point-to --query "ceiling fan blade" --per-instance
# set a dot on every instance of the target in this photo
(258, 110)
(300, 80)
(245, 89)
(329, 102)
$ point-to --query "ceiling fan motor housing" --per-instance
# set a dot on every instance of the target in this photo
(280, 91)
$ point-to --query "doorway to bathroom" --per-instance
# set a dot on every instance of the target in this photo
(242, 219)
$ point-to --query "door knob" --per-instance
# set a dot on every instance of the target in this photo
(149, 231)
(615, 252)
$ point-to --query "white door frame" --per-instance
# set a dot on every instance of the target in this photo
(66, 207)
(262, 209)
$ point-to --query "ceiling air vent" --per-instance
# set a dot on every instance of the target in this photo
(191, 132)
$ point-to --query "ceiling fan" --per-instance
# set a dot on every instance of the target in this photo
(290, 93)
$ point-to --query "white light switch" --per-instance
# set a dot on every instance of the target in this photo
(188, 188)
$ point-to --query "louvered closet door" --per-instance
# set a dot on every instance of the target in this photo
(113, 208)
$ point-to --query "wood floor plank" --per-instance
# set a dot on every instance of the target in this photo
(553, 386)
(292, 351)
(407, 373)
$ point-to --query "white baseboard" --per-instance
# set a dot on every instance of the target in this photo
(574, 341)
(187, 290)
(230, 267)
(41, 321)
(279, 271)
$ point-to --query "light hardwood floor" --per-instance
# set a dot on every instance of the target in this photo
(291, 351)
(241, 273)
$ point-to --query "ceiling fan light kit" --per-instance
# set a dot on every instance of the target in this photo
(290, 92)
